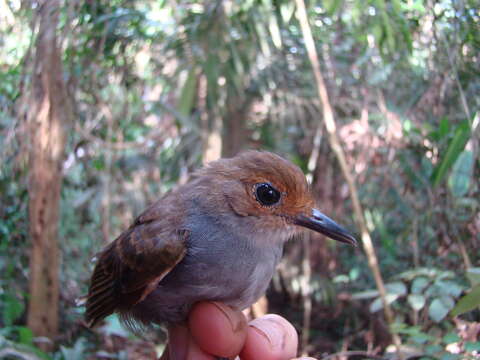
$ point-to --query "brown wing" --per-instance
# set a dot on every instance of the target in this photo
(131, 266)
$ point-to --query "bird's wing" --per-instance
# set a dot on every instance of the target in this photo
(132, 266)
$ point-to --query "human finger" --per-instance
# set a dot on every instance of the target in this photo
(270, 337)
(217, 329)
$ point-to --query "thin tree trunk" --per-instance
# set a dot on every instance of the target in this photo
(329, 120)
(48, 114)
(235, 135)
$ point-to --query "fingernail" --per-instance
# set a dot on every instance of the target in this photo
(273, 332)
(236, 322)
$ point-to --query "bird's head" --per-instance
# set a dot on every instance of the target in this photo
(272, 191)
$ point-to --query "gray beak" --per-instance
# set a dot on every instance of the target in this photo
(324, 225)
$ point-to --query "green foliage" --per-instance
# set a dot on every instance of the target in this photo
(468, 302)
(432, 290)
(77, 352)
(455, 148)
(471, 300)
(149, 81)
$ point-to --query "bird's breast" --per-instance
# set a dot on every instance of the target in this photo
(221, 264)
(229, 262)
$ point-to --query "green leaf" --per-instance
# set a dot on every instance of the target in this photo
(448, 356)
(444, 128)
(455, 147)
(433, 349)
(396, 288)
(187, 95)
(341, 279)
(287, 9)
(409, 275)
(473, 275)
(377, 304)
(440, 307)
(367, 294)
(397, 6)
(12, 309)
(448, 287)
(467, 302)
(422, 338)
(459, 179)
(451, 338)
(331, 6)
(419, 284)
(416, 301)
(275, 33)
(25, 335)
(388, 32)
(77, 352)
(354, 273)
(472, 346)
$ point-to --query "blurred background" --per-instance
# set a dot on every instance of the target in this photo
(106, 105)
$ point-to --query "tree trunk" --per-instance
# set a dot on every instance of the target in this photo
(48, 114)
(235, 135)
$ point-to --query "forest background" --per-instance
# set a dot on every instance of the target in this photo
(106, 105)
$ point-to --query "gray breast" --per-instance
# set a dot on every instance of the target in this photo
(221, 264)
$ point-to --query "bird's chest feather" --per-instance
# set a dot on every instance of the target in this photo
(227, 262)
(221, 264)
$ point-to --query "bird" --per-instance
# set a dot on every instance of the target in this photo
(218, 237)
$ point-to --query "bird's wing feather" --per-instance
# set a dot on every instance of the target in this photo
(131, 266)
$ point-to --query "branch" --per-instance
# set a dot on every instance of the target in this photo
(329, 120)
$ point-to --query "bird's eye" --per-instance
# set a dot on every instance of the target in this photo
(266, 194)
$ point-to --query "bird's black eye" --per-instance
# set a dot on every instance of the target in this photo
(266, 194)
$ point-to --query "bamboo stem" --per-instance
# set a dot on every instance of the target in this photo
(330, 125)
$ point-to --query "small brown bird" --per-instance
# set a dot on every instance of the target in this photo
(219, 237)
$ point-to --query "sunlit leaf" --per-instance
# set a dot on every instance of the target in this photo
(419, 284)
(354, 273)
(451, 338)
(467, 302)
(367, 294)
(397, 288)
(472, 346)
(459, 179)
(341, 279)
(448, 287)
(455, 147)
(331, 6)
(287, 9)
(187, 95)
(377, 304)
(416, 301)
(440, 307)
(473, 274)
(423, 271)
(275, 31)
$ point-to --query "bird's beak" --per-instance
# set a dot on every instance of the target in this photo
(326, 226)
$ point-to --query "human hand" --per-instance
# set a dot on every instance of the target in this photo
(216, 330)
